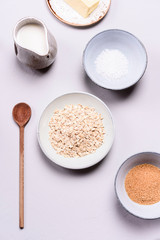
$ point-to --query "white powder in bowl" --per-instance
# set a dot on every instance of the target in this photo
(112, 64)
(64, 11)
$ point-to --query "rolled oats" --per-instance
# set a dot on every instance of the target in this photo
(76, 130)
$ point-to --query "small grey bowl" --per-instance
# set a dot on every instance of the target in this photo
(138, 210)
(127, 44)
(29, 57)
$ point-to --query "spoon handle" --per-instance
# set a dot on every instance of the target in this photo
(21, 179)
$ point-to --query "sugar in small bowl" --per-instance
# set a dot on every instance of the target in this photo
(115, 59)
(137, 185)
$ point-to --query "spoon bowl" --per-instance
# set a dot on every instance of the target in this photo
(21, 114)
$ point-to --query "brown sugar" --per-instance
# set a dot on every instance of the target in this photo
(142, 184)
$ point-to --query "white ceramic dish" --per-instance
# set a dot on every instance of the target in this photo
(126, 43)
(59, 8)
(76, 98)
(141, 211)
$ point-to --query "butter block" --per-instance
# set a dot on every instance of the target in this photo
(83, 7)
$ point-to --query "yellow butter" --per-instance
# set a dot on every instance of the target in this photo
(83, 7)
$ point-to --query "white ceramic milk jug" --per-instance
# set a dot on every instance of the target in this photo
(34, 45)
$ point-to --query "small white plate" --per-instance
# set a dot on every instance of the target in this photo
(141, 211)
(59, 103)
(128, 45)
(59, 9)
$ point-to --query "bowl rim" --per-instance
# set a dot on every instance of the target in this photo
(89, 164)
(115, 181)
(122, 31)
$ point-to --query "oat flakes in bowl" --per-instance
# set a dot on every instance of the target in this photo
(76, 130)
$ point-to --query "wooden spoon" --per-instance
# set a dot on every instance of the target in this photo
(21, 115)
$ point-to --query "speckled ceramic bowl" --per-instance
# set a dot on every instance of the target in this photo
(141, 211)
(128, 45)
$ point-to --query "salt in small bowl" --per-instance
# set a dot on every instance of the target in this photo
(128, 45)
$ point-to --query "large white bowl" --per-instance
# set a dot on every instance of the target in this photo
(126, 43)
(142, 211)
(76, 98)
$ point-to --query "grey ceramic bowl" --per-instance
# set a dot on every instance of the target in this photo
(128, 45)
(141, 211)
